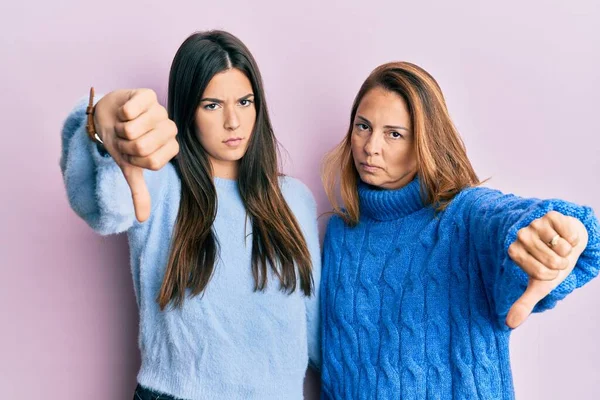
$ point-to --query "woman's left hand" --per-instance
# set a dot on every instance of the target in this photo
(547, 250)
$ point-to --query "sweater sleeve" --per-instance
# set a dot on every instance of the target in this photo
(304, 206)
(313, 314)
(493, 220)
(96, 188)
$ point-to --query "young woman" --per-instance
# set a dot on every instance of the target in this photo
(224, 250)
(424, 271)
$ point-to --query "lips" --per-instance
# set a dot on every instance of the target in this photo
(233, 143)
(369, 168)
(369, 165)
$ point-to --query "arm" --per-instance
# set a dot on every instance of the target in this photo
(313, 313)
(304, 207)
(96, 185)
(494, 219)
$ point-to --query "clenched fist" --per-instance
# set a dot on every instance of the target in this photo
(138, 134)
(547, 250)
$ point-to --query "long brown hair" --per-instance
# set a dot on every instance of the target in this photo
(277, 239)
(443, 167)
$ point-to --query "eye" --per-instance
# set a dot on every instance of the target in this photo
(362, 127)
(396, 135)
(211, 106)
(246, 102)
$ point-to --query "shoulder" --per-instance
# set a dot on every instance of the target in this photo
(301, 202)
(334, 233)
(297, 194)
(472, 196)
(335, 224)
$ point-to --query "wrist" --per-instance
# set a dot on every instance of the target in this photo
(98, 134)
(90, 126)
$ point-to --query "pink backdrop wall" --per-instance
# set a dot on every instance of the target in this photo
(521, 80)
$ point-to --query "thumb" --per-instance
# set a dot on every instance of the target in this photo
(523, 307)
(139, 191)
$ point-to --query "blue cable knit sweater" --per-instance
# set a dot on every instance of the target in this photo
(231, 342)
(413, 304)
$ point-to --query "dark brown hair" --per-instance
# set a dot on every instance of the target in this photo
(277, 239)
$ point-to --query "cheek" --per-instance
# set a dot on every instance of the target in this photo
(208, 122)
(356, 146)
(248, 120)
(207, 131)
(404, 158)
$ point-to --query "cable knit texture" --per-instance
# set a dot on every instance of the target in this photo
(414, 303)
(231, 342)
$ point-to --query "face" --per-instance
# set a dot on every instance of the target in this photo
(225, 121)
(382, 140)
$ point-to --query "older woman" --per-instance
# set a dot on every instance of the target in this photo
(424, 271)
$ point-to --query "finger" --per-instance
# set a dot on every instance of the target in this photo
(529, 264)
(523, 307)
(149, 142)
(546, 255)
(140, 100)
(139, 191)
(563, 225)
(546, 234)
(158, 159)
(561, 246)
(142, 124)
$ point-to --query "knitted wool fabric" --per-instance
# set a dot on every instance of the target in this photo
(414, 303)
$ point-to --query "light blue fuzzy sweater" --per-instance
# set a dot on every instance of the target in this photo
(230, 342)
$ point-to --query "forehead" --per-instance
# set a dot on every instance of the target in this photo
(231, 82)
(381, 106)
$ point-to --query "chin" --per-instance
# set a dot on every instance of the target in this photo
(370, 179)
(235, 155)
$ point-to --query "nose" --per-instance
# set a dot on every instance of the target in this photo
(373, 145)
(232, 122)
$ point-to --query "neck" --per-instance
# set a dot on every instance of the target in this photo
(385, 205)
(225, 169)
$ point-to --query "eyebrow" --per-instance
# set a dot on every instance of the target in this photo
(386, 126)
(219, 101)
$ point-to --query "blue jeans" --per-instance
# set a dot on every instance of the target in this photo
(141, 393)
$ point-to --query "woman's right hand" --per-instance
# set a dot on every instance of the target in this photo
(138, 134)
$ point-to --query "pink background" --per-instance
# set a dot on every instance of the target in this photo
(521, 80)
